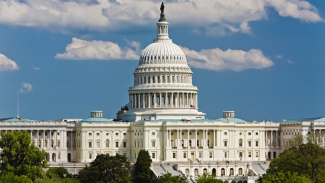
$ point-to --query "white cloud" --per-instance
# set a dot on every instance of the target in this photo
(235, 60)
(36, 68)
(99, 50)
(7, 64)
(26, 88)
(278, 56)
(108, 15)
(290, 62)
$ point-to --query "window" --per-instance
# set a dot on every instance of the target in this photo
(210, 154)
(256, 144)
(174, 155)
(249, 144)
(58, 133)
(240, 133)
(197, 133)
(125, 154)
(116, 144)
(249, 133)
(226, 154)
(135, 134)
(107, 143)
(225, 133)
(107, 134)
(182, 133)
(240, 171)
(240, 142)
(197, 143)
(116, 133)
(153, 133)
(249, 154)
(223, 172)
(124, 144)
(256, 133)
(98, 144)
(90, 144)
(153, 155)
(231, 171)
(256, 154)
(89, 134)
(97, 134)
(153, 143)
(45, 133)
(190, 143)
(200, 154)
(90, 156)
(171, 133)
(124, 134)
(240, 154)
(184, 155)
(190, 133)
(208, 143)
(225, 143)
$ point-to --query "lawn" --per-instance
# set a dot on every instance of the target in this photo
(68, 180)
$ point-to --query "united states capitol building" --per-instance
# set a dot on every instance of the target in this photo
(163, 117)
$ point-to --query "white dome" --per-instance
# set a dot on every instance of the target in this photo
(164, 52)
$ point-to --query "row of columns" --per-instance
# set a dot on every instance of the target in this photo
(163, 100)
(272, 138)
(163, 78)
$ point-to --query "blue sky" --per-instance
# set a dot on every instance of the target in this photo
(264, 59)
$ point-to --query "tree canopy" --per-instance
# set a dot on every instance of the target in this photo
(281, 177)
(168, 178)
(106, 168)
(142, 167)
(20, 157)
(208, 178)
(299, 160)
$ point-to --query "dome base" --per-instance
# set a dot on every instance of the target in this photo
(136, 115)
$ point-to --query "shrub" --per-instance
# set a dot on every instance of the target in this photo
(61, 172)
(83, 175)
(233, 181)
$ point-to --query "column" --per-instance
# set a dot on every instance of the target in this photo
(177, 101)
(169, 140)
(149, 103)
(195, 139)
(183, 100)
(271, 138)
(130, 100)
(166, 138)
(154, 100)
(143, 100)
(187, 105)
(177, 140)
(172, 102)
(43, 144)
(196, 102)
(50, 140)
(188, 140)
(214, 138)
(133, 101)
(160, 103)
(55, 138)
(276, 138)
(139, 101)
(234, 139)
(37, 139)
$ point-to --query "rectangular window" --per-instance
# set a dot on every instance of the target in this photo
(249, 144)
(171, 133)
(256, 154)
(174, 155)
(90, 144)
(106, 134)
(116, 133)
(182, 133)
(124, 144)
(226, 154)
(125, 154)
(225, 143)
(225, 133)
(249, 154)
(208, 143)
(184, 156)
(200, 154)
(124, 134)
(256, 133)
(210, 154)
(153, 155)
(98, 144)
(153, 133)
(190, 133)
(256, 143)
(90, 156)
(249, 133)
(97, 134)
(208, 133)
(198, 133)
(116, 144)
(89, 134)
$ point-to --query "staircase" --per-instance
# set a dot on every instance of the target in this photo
(258, 169)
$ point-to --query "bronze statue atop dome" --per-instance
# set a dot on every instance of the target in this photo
(162, 14)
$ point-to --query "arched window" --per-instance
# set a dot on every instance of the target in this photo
(223, 172)
(240, 142)
(240, 154)
(187, 172)
(240, 171)
(205, 171)
(153, 143)
(107, 143)
(163, 100)
(214, 172)
(196, 172)
(158, 100)
(231, 172)
(274, 155)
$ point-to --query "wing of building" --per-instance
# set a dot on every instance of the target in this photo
(162, 117)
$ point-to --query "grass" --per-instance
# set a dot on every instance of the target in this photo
(68, 180)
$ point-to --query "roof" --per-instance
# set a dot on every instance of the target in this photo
(231, 119)
(17, 119)
(305, 119)
(96, 120)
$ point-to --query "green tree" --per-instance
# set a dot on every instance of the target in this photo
(47, 179)
(208, 178)
(142, 167)
(168, 178)
(20, 157)
(106, 168)
(281, 177)
(11, 177)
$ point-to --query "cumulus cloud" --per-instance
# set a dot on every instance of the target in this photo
(235, 60)
(115, 15)
(99, 50)
(7, 64)
(26, 88)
